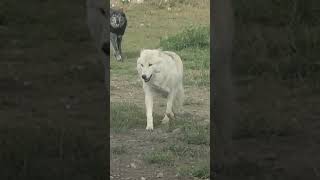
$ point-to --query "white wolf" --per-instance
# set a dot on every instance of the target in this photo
(161, 72)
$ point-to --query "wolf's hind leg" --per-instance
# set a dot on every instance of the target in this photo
(169, 114)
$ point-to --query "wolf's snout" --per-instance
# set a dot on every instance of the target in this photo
(144, 77)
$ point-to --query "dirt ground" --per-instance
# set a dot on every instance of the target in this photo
(139, 141)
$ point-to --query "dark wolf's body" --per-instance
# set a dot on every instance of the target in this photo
(118, 24)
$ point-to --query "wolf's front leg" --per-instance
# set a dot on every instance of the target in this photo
(169, 114)
(119, 39)
(149, 106)
(114, 44)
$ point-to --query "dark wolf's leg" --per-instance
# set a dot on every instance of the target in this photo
(114, 44)
(119, 45)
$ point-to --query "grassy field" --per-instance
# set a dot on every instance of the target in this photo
(179, 150)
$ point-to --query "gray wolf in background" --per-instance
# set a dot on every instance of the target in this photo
(161, 72)
(118, 24)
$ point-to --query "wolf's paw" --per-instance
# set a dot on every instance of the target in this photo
(171, 115)
(165, 120)
(118, 57)
(149, 128)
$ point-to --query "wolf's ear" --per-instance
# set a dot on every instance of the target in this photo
(141, 50)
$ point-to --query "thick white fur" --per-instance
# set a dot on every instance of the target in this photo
(164, 74)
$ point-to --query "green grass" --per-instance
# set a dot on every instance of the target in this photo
(175, 3)
(193, 46)
(126, 116)
(200, 170)
(119, 150)
(128, 69)
(197, 66)
(158, 139)
(164, 158)
(196, 134)
(191, 37)
(179, 149)
(188, 37)
(184, 151)
(192, 131)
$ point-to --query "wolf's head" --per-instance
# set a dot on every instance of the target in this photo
(117, 19)
(148, 64)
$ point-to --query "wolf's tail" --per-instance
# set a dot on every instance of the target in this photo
(179, 99)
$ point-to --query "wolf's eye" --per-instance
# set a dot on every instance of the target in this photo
(141, 65)
(150, 64)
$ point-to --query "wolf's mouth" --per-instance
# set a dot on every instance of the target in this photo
(147, 80)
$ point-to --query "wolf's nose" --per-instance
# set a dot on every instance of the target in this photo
(144, 76)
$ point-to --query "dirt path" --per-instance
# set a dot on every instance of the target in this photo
(131, 164)
(197, 99)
